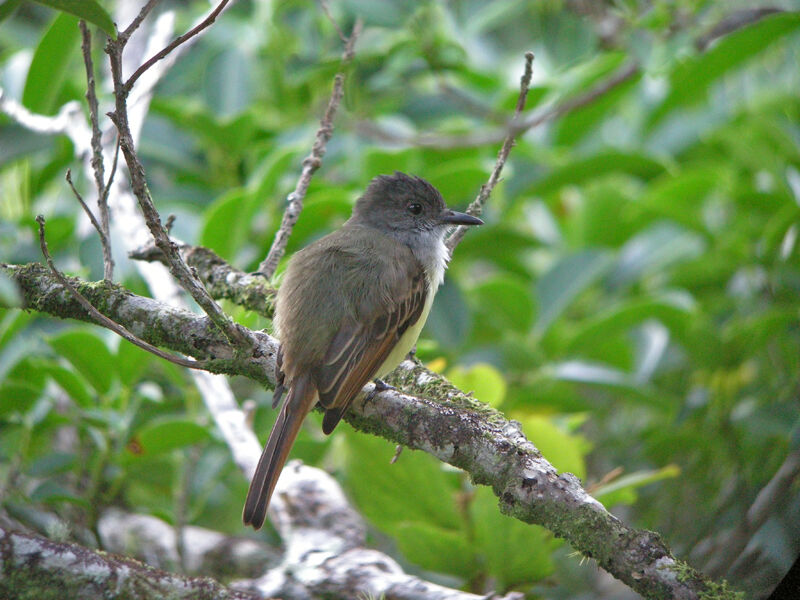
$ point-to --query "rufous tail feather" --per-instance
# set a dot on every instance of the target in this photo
(299, 401)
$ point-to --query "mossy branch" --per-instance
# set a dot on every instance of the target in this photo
(426, 413)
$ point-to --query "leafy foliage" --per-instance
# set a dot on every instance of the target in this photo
(632, 300)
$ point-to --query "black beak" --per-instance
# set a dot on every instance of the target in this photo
(452, 217)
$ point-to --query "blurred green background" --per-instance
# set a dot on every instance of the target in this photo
(632, 300)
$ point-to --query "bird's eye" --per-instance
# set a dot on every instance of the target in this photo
(415, 208)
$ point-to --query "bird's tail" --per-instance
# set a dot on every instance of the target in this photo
(299, 401)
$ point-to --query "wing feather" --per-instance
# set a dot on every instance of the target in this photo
(359, 349)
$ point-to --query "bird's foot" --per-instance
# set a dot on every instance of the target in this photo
(380, 386)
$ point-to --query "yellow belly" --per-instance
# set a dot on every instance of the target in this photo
(407, 340)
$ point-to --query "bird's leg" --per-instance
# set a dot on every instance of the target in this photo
(380, 386)
(280, 379)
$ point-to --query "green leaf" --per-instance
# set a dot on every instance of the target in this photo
(51, 492)
(11, 323)
(17, 141)
(691, 79)
(436, 549)
(413, 489)
(682, 197)
(73, 384)
(673, 310)
(88, 10)
(325, 208)
(450, 320)
(53, 464)
(169, 434)
(565, 280)
(578, 371)
(577, 124)
(599, 165)
(50, 65)
(623, 489)
(228, 81)
(7, 8)
(89, 355)
(481, 244)
(17, 397)
(459, 181)
(380, 161)
(483, 380)
(506, 302)
(225, 229)
(653, 250)
(132, 362)
(514, 552)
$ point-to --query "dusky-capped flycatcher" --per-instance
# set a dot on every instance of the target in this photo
(349, 309)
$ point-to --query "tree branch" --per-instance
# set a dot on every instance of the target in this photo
(250, 291)
(428, 414)
(208, 552)
(472, 140)
(326, 540)
(103, 228)
(100, 318)
(204, 24)
(311, 162)
(34, 567)
(155, 322)
(177, 267)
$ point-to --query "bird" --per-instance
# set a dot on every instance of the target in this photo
(350, 308)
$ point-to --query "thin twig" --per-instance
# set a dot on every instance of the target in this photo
(311, 162)
(731, 545)
(476, 207)
(103, 320)
(86, 209)
(125, 35)
(107, 188)
(326, 9)
(733, 22)
(97, 155)
(177, 267)
(472, 140)
(207, 22)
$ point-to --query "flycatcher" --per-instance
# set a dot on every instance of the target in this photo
(350, 308)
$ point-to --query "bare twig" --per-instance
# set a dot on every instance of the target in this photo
(551, 113)
(728, 549)
(103, 320)
(86, 209)
(326, 9)
(45, 567)
(111, 175)
(476, 207)
(125, 35)
(97, 155)
(732, 22)
(176, 265)
(311, 163)
(207, 22)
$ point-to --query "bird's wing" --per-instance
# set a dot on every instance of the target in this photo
(359, 348)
